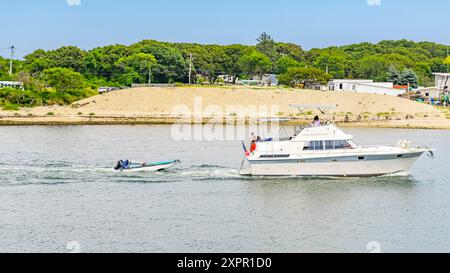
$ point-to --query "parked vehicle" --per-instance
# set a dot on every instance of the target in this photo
(102, 90)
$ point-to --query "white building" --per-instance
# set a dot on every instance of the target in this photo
(266, 80)
(365, 86)
(228, 78)
(270, 80)
(430, 92)
(17, 85)
(442, 80)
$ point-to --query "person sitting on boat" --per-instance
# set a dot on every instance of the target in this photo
(316, 122)
(122, 164)
(126, 164)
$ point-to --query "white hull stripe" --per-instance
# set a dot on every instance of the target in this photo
(339, 158)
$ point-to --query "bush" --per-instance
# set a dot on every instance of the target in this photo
(10, 107)
(63, 79)
(30, 98)
(304, 77)
(20, 97)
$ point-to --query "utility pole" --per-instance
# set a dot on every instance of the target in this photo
(190, 68)
(150, 74)
(11, 60)
(448, 64)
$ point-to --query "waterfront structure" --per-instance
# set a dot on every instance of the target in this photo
(365, 86)
(17, 85)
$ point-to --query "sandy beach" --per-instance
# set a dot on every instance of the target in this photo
(222, 104)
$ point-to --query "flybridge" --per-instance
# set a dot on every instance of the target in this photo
(324, 133)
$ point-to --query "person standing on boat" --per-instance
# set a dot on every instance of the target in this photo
(316, 122)
(253, 146)
(253, 140)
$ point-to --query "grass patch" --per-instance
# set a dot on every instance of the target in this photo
(50, 114)
(10, 107)
(386, 115)
(91, 114)
(12, 98)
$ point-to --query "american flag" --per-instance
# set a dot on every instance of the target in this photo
(247, 153)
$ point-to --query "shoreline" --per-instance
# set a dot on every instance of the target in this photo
(232, 106)
(123, 121)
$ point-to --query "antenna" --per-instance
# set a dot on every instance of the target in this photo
(322, 108)
(11, 60)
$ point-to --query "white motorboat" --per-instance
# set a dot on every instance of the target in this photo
(124, 166)
(328, 151)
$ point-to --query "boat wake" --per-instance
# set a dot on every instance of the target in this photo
(64, 173)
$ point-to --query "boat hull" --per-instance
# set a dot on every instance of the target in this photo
(336, 167)
(151, 167)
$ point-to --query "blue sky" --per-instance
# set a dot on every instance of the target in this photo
(48, 24)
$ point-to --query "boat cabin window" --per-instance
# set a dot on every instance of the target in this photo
(342, 144)
(327, 145)
(314, 145)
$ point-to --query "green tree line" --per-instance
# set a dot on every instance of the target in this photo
(71, 73)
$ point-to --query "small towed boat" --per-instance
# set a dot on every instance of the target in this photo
(130, 166)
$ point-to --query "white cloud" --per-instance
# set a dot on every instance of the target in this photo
(374, 3)
(73, 2)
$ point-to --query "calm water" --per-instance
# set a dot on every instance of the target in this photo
(56, 186)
